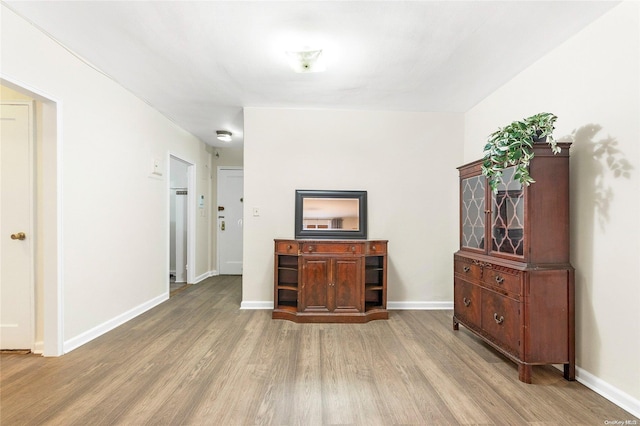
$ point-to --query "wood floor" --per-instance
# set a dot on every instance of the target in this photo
(198, 359)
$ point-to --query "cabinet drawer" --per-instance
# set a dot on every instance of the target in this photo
(376, 247)
(506, 280)
(338, 248)
(467, 269)
(501, 320)
(466, 301)
(289, 247)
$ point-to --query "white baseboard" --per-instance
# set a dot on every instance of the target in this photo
(204, 276)
(201, 278)
(99, 330)
(256, 305)
(606, 390)
(422, 306)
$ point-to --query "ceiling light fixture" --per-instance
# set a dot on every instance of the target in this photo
(306, 61)
(223, 135)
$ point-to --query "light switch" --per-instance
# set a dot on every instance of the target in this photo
(155, 167)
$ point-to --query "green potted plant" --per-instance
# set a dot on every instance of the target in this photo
(512, 145)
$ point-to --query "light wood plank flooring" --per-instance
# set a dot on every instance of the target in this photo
(198, 359)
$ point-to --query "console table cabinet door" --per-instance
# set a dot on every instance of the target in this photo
(331, 285)
(315, 285)
(346, 289)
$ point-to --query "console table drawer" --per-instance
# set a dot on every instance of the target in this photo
(376, 248)
(288, 247)
(335, 248)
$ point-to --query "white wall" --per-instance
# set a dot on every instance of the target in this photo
(407, 163)
(592, 83)
(107, 140)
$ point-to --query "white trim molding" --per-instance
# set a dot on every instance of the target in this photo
(610, 392)
(103, 328)
(256, 304)
(204, 276)
(419, 306)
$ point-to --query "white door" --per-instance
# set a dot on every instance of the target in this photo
(16, 226)
(230, 190)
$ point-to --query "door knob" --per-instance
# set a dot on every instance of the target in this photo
(18, 236)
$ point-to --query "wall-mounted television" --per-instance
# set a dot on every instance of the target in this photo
(331, 214)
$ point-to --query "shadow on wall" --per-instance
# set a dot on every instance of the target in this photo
(596, 160)
(605, 161)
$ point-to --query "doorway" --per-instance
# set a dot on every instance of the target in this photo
(46, 216)
(17, 226)
(230, 220)
(181, 206)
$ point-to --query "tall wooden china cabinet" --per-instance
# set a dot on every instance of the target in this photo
(513, 281)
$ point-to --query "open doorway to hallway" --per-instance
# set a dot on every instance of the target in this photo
(180, 208)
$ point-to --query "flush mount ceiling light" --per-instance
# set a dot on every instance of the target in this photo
(306, 60)
(223, 135)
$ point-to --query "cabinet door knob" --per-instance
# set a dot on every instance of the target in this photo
(499, 279)
(466, 301)
(498, 320)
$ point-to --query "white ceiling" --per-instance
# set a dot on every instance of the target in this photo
(201, 62)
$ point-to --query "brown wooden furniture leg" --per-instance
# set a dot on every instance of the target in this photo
(524, 373)
(570, 371)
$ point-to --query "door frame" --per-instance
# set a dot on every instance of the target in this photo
(215, 210)
(191, 217)
(52, 272)
(32, 233)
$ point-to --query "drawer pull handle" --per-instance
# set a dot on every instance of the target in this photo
(466, 301)
(466, 269)
(353, 248)
(499, 279)
(498, 320)
(310, 249)
(289, 247)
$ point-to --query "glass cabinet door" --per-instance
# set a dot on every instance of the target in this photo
(507, 216)
(473, 212)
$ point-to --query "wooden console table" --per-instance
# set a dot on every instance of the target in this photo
(330, 280)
